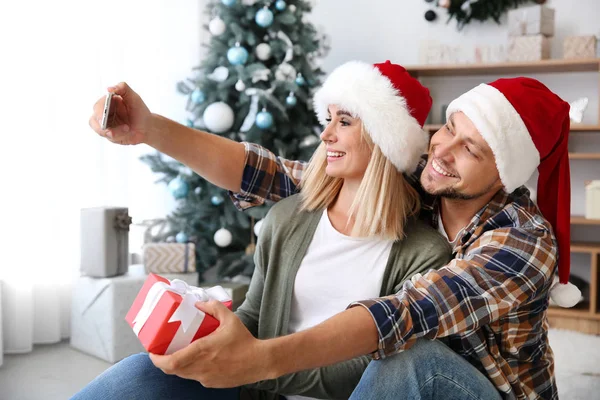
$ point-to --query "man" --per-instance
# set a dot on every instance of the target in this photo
(486, 308)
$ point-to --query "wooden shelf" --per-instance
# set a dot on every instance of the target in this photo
(581, 310)
(557, 65)
(585, 128)
(581, 220)
(585, 247)
(584, 156)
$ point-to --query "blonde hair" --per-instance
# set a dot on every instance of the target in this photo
(384, 200)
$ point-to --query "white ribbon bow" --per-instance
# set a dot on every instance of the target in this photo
(191, 318)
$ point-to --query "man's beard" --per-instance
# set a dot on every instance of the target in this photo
(453, 194)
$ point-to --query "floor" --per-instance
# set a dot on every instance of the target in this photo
(56, 372)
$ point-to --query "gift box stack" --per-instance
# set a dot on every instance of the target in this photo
(530, 29)
(580, 47)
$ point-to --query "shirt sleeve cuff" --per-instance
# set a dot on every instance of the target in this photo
(251, 193)
(382, 311)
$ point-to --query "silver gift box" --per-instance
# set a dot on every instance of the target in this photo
(104, 241)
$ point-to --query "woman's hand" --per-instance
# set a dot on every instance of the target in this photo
(228, 357)
(130, 120)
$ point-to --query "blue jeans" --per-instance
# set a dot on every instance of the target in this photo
(136, 378)
(428, 370)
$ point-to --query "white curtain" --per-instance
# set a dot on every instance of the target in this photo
(56, 59)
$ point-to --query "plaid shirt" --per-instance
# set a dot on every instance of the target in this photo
(488, 304)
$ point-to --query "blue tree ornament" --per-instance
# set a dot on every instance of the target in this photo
(178, 188)
(280, 5)
(228, 3)
(189, 123)
(237, 55)
(264, 119)
(264, 17)
(181, 237)
(300, 81)
(216, 200)
(198, 96)
(291, 100)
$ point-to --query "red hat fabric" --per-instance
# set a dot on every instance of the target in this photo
(527, 127)
(392, 105)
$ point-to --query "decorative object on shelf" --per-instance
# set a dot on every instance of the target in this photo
(528, 48)
(104, 241)
(579, 47)
(464, 11)
(264, 17)
(161, 302)
(263, 51)
(217, 26)
(489, 54)
(592, 199)
(181, 237)
(532, 20)
(178, 188)
(218, 117)
(434, 52)
(223, 237)
(578, 109)
(443, 113)
(430, 15)
(237, 55)
(165, 258)
(264, 119)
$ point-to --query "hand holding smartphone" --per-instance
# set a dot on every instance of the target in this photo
(106, 114)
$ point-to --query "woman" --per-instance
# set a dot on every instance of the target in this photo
(351, 233)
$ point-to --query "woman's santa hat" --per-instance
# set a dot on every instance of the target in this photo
(392, 105)
(527, 127)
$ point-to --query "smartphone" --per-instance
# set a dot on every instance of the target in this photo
(106, 112)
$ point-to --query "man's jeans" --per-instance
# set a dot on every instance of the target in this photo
(428, 370)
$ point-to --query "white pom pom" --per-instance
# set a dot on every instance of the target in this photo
(564, 295)
(257, 227)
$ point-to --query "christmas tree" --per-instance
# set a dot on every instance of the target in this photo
(254, 85)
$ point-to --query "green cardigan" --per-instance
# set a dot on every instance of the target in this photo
(284, 238)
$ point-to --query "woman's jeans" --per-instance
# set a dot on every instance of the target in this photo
(428, 370)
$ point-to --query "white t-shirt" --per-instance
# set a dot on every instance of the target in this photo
(336, 270)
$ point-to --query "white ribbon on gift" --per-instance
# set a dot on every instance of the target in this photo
(191, 318)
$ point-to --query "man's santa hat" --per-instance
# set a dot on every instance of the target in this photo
(392, 105)
(527, 127)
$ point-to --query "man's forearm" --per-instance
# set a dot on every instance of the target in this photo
(344, 336)
(215, 158)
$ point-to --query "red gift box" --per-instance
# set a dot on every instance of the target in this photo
(164, 316)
